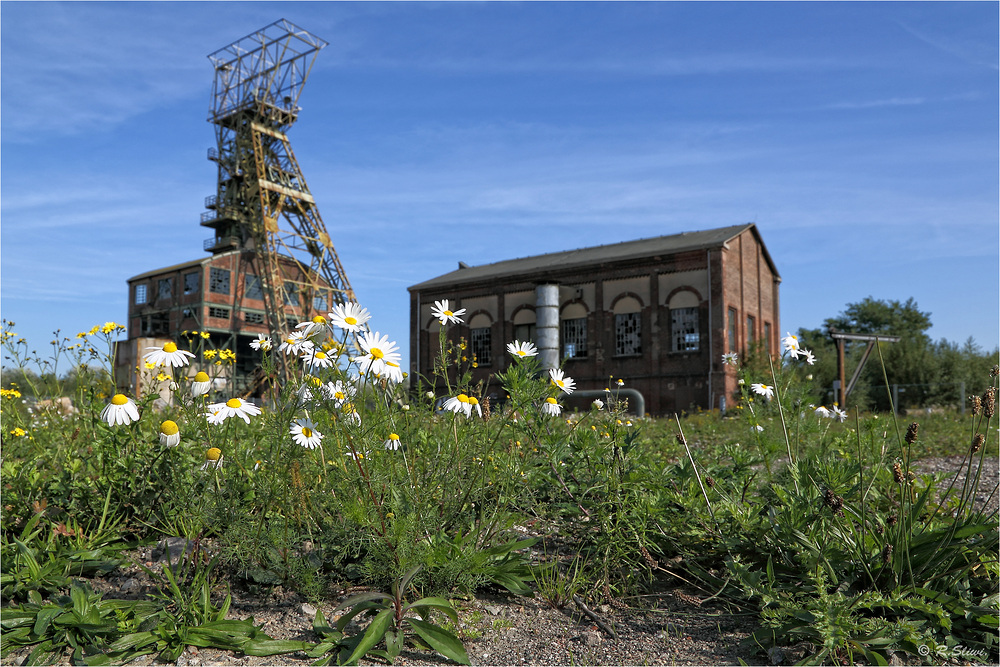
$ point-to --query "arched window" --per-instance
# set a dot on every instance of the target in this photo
(684, 334)
(628, 326)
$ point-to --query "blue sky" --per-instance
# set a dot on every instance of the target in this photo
(861, 138)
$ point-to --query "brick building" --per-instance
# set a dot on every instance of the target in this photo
(219, 294)
(657, 312)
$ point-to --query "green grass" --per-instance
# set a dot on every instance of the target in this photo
(817, 526)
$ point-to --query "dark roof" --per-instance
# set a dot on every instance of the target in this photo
(616, 252)
(170, 269)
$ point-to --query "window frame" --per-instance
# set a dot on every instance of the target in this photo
(188, 287)
(165, 288)
(480, 345)
(141, 294)
(733, 315)
(217, 279)
(291, 294)
(684, 323)
(576, 338)
(251, 281)
(623, 322)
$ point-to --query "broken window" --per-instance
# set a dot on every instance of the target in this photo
(218, 280)
(684, 329)
(191, 281)
(628, 329)
(164, 288)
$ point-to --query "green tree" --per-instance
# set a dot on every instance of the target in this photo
(914, 365)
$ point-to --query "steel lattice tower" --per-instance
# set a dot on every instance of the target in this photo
(263, 206)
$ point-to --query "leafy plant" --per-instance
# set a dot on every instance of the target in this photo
(391, 623)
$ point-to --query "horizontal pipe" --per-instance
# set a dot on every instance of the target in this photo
(637, 404)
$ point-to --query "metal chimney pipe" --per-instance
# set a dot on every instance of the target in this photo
(547, 324)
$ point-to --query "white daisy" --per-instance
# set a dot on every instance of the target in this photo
(339, 392)
(522, 349)
(315, 357)
(392, 442)
(314, 328)
(598, 404)
(215, 414)
(839, 414)
(234, 407)
(261, 343)
(808, 356)
(169, 434)
(730, 359)
(201, 384)
(351, 412)
(791, 345)
(304, 433)
(551, 407)
(822, 412)
(213, 459)
(564, 382)
(168, 355)
(295, 343)
(393, 372)
(463, 404)
(350, 316)
(764, 390)
(758, 428)
(440, 311)
(378, 350)
(121, 410)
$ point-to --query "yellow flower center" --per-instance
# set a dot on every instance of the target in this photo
(320, 354)
(319, 319)
(234, 403)
(447, 313)
(473, 401)
(521, 353)
(389, 363)
(462, 398)
(351, 320)
(170, 348)
(213, 454)
(119, 399)
(376, 353)
(201, 376)
(168, 428)
(393, 436)
(551, 400)
(340, 396)
(307, 432)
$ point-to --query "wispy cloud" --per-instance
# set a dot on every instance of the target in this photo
(874, 104)
(972, 51)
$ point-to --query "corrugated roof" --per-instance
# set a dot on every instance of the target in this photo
(616, 252)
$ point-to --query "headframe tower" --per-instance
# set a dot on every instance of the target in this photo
(262, 206)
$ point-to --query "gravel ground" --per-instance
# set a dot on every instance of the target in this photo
(672, 628)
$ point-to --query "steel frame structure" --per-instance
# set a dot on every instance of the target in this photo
(262, 204)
